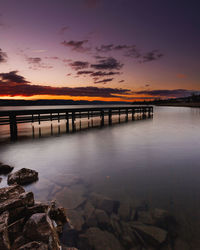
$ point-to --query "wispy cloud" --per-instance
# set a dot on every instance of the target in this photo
(3, 56)
(76, 45)
(104, 81)
(37, 63)
(13, 77)
(166, 92)
(107, 64)
(78, 65)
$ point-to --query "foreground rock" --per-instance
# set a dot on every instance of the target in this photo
(26, 224)
(5, 169)
(23, 176)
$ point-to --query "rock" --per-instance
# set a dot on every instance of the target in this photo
(153, 235)
(102, 218)
(88, 210)
(180, 244)
(10, 192)
(94, 238)
(39, 227)
(104, 203)
(15, 229)
(38, 207)
(24, 199)
(76, 219)
(23, 176)
(124, 211)
(145, 217)
(16, 213)
(4, 239)
(34, 245)
(91, 221)
(5, 169)
(57, 213)
(69, 236)
(70, 199)
(0, 179)
(115, 224)
(20, 241)
(127, 235)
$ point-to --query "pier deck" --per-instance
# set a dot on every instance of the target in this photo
(14, 117)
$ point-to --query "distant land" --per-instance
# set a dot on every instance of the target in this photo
(42, 102)
(190, 101)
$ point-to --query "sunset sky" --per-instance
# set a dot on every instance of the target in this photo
(99, 49)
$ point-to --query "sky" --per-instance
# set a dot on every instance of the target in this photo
(116, 50)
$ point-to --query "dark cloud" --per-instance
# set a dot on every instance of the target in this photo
(166, 93)
(76, 45)
(16, 85)
(107, 64)
(104, 80)
(151, 56)
(121, 81)
(85, 72)
(3, 56)
(78, 65)
(34, 60)
(130, 51)
(102, 73)
(13, 77)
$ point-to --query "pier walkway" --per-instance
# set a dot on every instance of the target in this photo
(14, 117)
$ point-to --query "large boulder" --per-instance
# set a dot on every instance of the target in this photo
(94, 238)
(151, 234)
(4, 239)
(39, 227)
(14, 197)
(23, 176)
(104, 203)
(5, 169)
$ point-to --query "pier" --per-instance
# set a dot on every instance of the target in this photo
(15, 117)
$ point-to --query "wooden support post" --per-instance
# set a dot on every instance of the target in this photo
(73, 122)
(126, 115)
(67, 122)
(119, 115)
(13, 127)
(110, 116)
(133, 113)
(102, 117)
(39, 118)
(58, 117)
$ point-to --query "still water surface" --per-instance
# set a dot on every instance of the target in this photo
(156, 160)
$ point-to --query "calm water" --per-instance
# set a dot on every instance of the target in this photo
(157, 160)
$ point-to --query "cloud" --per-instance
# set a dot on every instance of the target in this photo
(102, 73)
(12, 84)
(76, 45)
(166, 92)
(130, 51)
(13, 77)
(104, 80)
(36, 63)
(121, 81)
(77, 65)
(151, 56)
(107, 64)
(85, 72)
(3, 56)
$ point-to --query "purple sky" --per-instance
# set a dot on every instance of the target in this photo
(129, 49)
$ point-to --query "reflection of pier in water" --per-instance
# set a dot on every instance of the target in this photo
(105, 114)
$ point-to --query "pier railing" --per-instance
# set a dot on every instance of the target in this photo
(14, 117)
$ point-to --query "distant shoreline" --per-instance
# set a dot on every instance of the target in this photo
(190, 105)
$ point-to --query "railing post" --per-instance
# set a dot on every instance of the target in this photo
(13, 127)
(67, 122)
(126, 115)
(110, 116)
(73, 122)
(133, 112)
(102, 117)
(119, 115)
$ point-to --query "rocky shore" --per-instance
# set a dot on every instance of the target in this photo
(90, 222)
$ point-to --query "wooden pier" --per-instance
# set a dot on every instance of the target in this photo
(14, 117)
